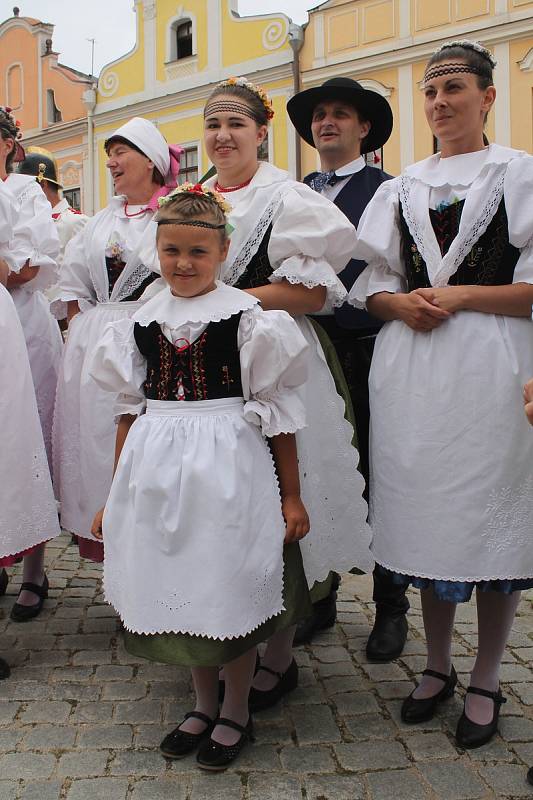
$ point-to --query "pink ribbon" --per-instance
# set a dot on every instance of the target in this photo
(175, 151)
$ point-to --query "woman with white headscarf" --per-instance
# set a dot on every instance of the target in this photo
(102, 279)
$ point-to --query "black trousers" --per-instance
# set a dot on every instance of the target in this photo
(354, 349)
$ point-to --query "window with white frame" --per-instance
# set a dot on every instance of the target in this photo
(189, 166)
(183, 41)
(73, 197)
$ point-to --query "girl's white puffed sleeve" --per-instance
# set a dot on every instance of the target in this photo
(273, 356)
(35, 237)
(118, 367)
(518, 191)
(311, 241)
(379, 244)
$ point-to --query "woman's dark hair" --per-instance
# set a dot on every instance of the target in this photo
(9, 130)
(257, 107)
(156, 175)
(477, 60)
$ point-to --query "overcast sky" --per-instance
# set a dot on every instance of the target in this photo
(112, 24)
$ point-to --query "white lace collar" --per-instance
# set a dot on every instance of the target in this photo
(177, 312)
(459, 170)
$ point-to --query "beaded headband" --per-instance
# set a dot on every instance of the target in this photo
(468, 44)
(218, 106)
(258, 91)
(201, 191)
(451, 68)
(195, 223)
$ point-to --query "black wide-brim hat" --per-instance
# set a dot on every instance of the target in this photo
(371, 105)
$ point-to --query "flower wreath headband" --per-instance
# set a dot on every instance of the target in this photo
(201, 191)
(19, 150)
(438, 69)
(258, 91)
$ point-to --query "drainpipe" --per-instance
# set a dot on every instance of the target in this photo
(89, 101)
(296, 41)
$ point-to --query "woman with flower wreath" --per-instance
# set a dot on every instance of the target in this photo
(450, 269)
(34, 250)
(102, 278)
(286, 247)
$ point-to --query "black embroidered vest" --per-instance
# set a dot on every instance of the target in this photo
(207, 369)
(490, 262)
(258, 269)
(114, 269)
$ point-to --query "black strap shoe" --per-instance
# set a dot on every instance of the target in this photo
(470, 735)
(217, 757)
(388, 637)
(20, 613)
(415, 711)
(259, 700)
(5, 672)
(4, 580)
(178, 743)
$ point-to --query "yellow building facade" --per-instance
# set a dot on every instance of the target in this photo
(385, 45)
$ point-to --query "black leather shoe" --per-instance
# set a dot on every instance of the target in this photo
(4, 670)
(179, 743)
(20, 613)
(217, 757)
(323, 616)
(414, 711)
(259, 700)
(387, 638)
(4, 580)
(469, 734)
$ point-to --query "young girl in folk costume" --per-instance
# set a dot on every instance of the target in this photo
(102, 278)
(34, 268)
(287, 245)
(450, 265)
(28, 513)
(194, 513)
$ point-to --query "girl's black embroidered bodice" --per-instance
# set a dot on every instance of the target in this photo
(491, 261)
(114, 268)
(258, 270)
(207, 369)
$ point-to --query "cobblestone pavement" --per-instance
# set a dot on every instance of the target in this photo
(80, 719)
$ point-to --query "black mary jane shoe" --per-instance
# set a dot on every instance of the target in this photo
(5, 672)
(415, 711)
(259, 699)
(178, 743)
(470, 735)
(4, 580)
(20, 613)
(216, 757)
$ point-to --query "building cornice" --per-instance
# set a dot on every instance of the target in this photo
(76, 127)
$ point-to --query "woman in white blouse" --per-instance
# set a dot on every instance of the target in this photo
(450, 267)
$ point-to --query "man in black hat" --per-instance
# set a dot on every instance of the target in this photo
(344, 121)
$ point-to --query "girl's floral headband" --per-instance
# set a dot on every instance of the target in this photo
(257, 90)
(201, 191)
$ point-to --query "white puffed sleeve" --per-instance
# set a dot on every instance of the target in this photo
(518, 192)
(7, 222)
(311, 241)
(118, 367)
(273, 355)
(75, 282)
(35, 237)
(379, 244)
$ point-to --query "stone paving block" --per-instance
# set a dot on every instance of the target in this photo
(393, 690)
(353, 703)
(138, 763)
(161, 672)
(85, 764)
(74, 691)
(91, 657)
(329, 655)
(453, 780)
(334, 787)
(163, 689)
(121, 690)
(102, 625)
(307, 695)
(307, 760)
(270, 733)
(512, 673)
(272, 787)
(361, 756)
(507, 780)
(104, 788)
(384, 672)
(425, 746)
(524, 692)
(101, 611)
(26, 765)
(49, 737)
(72, 674)
(10, 737)
(400, 784)
(138, 711)
(225, 786)
(258, 758)
(113, 672)
(370, 726)
(516, 729)
(337, 669)
(314, 724)
(53, 658)
(495, 750)
(148, 736)
(93, 712)
(41, 790)
(8, 790)
(46, 711)
(104, 737)
(24, 690)
(159, 790)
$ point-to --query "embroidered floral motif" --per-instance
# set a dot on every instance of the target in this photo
(510, 517)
